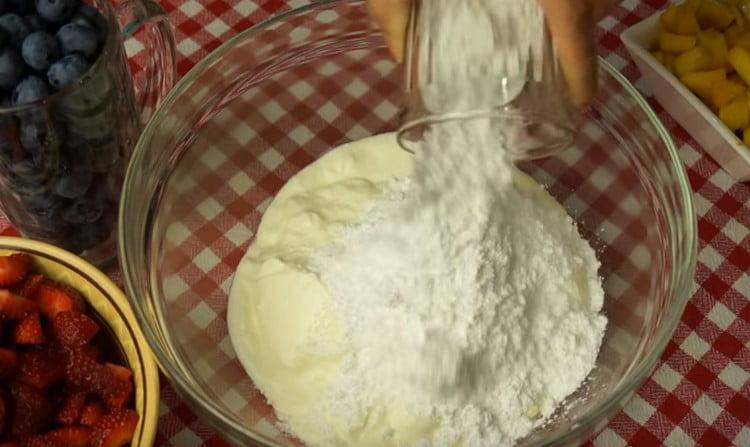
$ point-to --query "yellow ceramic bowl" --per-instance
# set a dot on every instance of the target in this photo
(113, 307)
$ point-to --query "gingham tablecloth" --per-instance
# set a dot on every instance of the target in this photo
(700, 393)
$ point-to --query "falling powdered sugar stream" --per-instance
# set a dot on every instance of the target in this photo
(467, 293)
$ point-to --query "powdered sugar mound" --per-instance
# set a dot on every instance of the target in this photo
(473, 302)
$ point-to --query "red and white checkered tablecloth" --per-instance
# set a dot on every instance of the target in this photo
(700, 393)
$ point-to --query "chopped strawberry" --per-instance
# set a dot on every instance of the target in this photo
(120, 372)
(30, 285)
(115, 429)
(32, 410)
(8, 362)
(13, 268)
(29, 331)
(117, 394)
(54, 298)
(82, 370)
(72, 436)
(70, 411)
(15, 307)
(73, 328)
(89, 351)
(42, 368)
(91, 413)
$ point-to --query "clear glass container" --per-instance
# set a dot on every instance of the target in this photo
(281, 94)
(503, 46)
(63, 157)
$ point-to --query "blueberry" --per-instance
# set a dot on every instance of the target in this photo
(55, 10)
(89, 15)
(74, 181)
(42, 203)
(27, 178)
(96, 94)
(30, 89)
(76, 38)
(16, 27)
(38, 135)
(82, 210)
(40, 50)
(35, 22)
(66, 71)
(49, 227)
(11, 68)
(21, 5)
(33, 134)
(96, 127)
(44, 157)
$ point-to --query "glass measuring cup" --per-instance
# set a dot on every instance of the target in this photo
(509, 51)
(63, 157)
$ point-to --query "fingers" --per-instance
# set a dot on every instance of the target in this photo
(571, 23)
(572, 26)
(392, 17)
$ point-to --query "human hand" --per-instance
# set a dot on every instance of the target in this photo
(571, 23)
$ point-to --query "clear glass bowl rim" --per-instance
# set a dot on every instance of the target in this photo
(211, 412)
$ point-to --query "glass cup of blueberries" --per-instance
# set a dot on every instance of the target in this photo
(70, 115)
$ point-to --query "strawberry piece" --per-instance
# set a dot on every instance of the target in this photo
(89, 351)
(29, 331)
(73, 328)
(73, 436)
(54, 298)
(14, 307)
(30, 285)
(13, 268)
(82, 370)
(115, 429)
(8, 362)
(42, 368)
(117, 393)
(70, 411)
(32, 410)
(91, 413)
(120, 372)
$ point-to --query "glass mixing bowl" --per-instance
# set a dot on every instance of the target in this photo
(281, 94)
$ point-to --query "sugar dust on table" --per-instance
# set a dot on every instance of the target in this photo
(57, 160)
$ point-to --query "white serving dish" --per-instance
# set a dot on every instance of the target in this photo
(697, 119)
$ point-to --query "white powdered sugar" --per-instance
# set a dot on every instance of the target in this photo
(470, 303)
(468, 296)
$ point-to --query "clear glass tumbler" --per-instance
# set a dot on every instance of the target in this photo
(509, 52)
(63, 157)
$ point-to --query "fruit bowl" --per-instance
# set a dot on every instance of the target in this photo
(280, 95)
(121, 338)
(687, 109)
